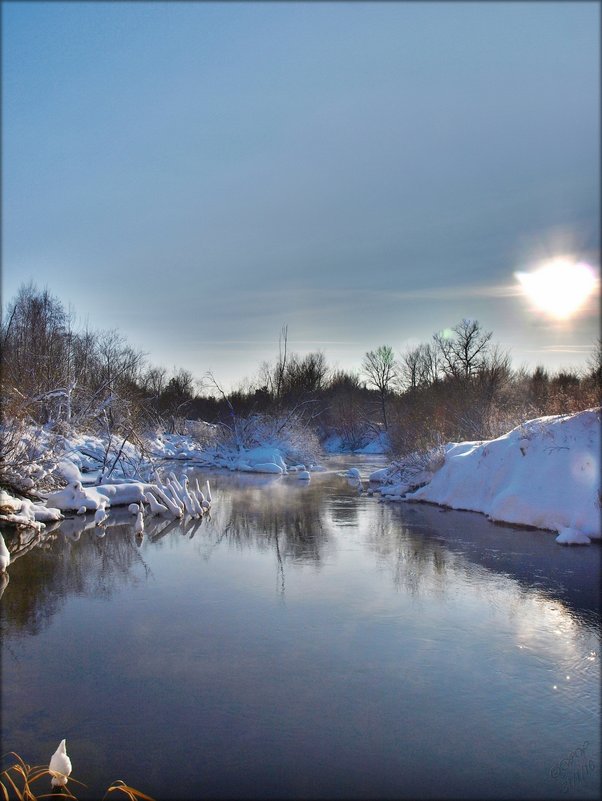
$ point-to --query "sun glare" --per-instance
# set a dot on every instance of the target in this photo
(559, 288)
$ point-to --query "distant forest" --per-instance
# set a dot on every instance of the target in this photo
(455, 387)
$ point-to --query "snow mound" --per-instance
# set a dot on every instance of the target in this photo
(568, 536)
(264, 459)
(267, 467)
(544, 473)
(381, 474)
(259, 456)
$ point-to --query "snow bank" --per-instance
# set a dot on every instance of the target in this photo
(105, 471)
(569, 536)
(259, 444)
(544, 473)
(266, 459)
(268, 446)
(259, 460)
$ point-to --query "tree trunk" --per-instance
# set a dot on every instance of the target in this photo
(382, 401)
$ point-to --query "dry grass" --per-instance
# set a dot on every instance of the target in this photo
(18, 780)
(121, 787)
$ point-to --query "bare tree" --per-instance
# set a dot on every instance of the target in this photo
(177, 396)
(464, 352)
(305, 376)
(266, 378)
(153, 383)
(410, 368)
(419, 366)
(281, 364)
(594, 364)
(347, 411)
(35, 346)
(113, 390)
(381, 370)
(344, 380)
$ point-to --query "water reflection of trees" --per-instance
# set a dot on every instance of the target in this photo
(75, 557)
(421, 564)
(415, 562)
(344, 510)
(291, 525)
(411, 544)
(426, 550)
(69, 558)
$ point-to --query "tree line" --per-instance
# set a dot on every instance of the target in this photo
(459, 385)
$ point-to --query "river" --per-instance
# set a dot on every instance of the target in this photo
(307, 641)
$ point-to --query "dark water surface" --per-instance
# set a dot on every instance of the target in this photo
(308, 642)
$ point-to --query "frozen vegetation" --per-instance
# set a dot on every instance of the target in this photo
(544, 473)
(87, 425)
(52, 473)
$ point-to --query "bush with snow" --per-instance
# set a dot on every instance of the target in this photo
(409, 473)
(263, 439)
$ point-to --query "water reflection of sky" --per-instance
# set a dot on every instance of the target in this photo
(305, 640)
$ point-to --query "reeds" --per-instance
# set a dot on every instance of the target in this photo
(18, 780)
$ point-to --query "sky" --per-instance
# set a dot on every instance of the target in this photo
(198, 175)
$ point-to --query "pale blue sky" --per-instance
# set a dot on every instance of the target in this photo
(199, 174)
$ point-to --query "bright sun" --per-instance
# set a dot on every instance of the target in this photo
(560, 287)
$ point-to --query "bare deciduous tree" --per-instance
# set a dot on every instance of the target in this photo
(177, 396)
(381, 370)
(464, 351)
(304, 377)
(281, 364)
(419, 366)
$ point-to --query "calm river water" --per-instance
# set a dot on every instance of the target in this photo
(308, 642)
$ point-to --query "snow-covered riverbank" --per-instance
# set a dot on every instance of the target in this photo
(78, 473)
(544, 473)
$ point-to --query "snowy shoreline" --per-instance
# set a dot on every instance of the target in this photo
(544, 474)
(87, 473)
